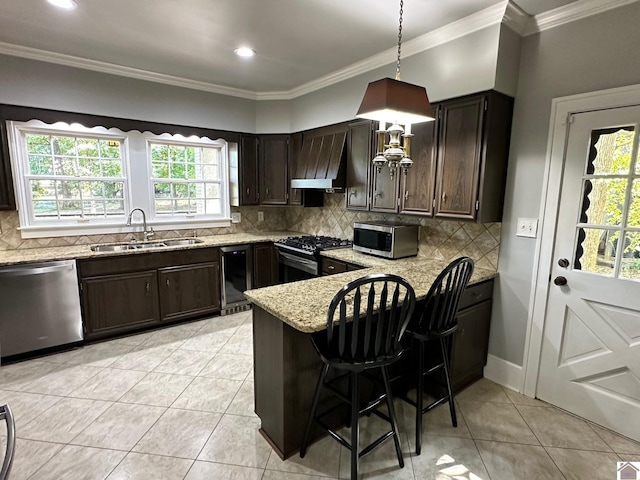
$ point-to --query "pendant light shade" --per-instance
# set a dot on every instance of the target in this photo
(389, 100)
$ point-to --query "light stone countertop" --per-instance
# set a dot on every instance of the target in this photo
(303, 305)
(31, 255)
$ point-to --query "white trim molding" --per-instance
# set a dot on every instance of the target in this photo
(561, 109)
(504, 372)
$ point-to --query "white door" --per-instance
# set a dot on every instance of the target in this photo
(590, 362)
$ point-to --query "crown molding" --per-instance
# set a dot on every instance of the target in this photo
(120, 70)
(570, 13)
(515, 18)
(505, 12)
(472, 23)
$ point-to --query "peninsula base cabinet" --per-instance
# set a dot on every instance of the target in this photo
(121, 294)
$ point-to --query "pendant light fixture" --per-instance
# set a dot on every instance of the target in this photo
(398, 103)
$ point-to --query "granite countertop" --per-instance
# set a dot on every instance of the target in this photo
(30, 255)
(294, 305)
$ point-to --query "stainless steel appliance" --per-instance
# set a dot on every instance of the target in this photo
(389, 240)
(40, 307)
(299, 257)
(236, 277)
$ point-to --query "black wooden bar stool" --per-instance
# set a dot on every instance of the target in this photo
(436, 322)
(5, 468)
(372, 316)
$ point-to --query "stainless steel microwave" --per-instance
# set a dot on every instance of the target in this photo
(389, 240)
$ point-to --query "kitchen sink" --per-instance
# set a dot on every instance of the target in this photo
(121, 247)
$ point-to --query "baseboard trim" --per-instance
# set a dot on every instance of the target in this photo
(504, 372)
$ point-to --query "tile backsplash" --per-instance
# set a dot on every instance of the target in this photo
(441, 239)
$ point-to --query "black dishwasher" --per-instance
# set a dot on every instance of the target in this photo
(236, 277)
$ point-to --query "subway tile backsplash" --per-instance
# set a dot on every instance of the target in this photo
(441, 239)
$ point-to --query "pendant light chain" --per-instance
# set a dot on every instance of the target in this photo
(399, 40)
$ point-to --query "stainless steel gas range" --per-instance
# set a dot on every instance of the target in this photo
(299, 257)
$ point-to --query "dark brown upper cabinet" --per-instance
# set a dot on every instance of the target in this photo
(473, 149)
(359, 155)
(273, 154)
(249, 187)
(7, 199)
(417, 183)
(384, 190)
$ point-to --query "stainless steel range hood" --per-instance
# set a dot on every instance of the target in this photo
(322, 160)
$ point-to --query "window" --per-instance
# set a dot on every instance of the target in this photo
(72, 180)
(186, 179)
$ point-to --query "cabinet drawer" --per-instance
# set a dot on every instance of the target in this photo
(115, 264)
(329, 266)
(187, 257)
(476, 294)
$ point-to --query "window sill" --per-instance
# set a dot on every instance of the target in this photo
(46, 231)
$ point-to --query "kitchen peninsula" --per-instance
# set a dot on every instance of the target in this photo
(286, 365)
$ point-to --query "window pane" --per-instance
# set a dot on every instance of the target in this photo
(633, 219)
(213, 190)
(65, 166)
(45, 209)
(93, 208)
(181, 190)
(88, 167)
(70, 208)
(211, 172)
(611, 151)
(163, 206)
(603, 201)
(91, 190)
(213, 207)
(40, 165)
(112, 168)
(64, 146)
(176, 154)
(88, 147)
(68, 190)
(159, 153)
(109, 148)
(159, 170)
(113, 190)
(631, 257)
(40, 144)
(596, 250)
(162, 190)
(43, 189)
(178, 171)
(114, 207)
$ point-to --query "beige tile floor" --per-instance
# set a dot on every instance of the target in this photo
(177, 404)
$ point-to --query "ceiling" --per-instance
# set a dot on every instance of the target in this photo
(296, 41)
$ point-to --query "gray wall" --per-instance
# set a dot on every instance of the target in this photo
(45, 85)
(465, 65)
(595, 53)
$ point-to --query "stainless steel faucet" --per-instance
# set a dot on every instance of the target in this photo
(148, 233)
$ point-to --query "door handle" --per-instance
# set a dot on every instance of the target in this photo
(560, 281)
(563, 262)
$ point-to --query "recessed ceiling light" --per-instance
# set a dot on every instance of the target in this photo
(245, 52)
(68, 4)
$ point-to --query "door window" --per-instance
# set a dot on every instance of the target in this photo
(608, 229)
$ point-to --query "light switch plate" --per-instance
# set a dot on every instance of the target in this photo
(527, 227)
(261, 216)
(236, 217)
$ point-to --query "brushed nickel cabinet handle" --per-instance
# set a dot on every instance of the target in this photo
(444, 197)
(331, 267)
(168, 283)
(406, 195)
(148, 287)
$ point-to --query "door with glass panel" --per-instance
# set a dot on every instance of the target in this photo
(590, 363)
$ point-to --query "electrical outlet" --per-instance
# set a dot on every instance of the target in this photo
(261, 216)
(527, 227)
(236, 217)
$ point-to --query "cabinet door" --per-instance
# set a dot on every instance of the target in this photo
(7, 200)
(274, 159)
(114, 304)
(189, 290)
(295, 150)
(417, 183)
(470, 344)
(265, 265)
(359, 155)
(384, 189)
(249, 193)
(459, 152)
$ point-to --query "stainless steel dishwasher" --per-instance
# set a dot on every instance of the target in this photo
(39, 307)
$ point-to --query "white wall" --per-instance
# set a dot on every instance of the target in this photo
(595, 53)
(45, 85)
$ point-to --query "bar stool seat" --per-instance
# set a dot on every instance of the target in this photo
(365, 323)
(437, 322)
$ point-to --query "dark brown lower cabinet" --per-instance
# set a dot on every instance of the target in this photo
(189, 290)
(265, 265)
(124, 293)
(123, 301)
